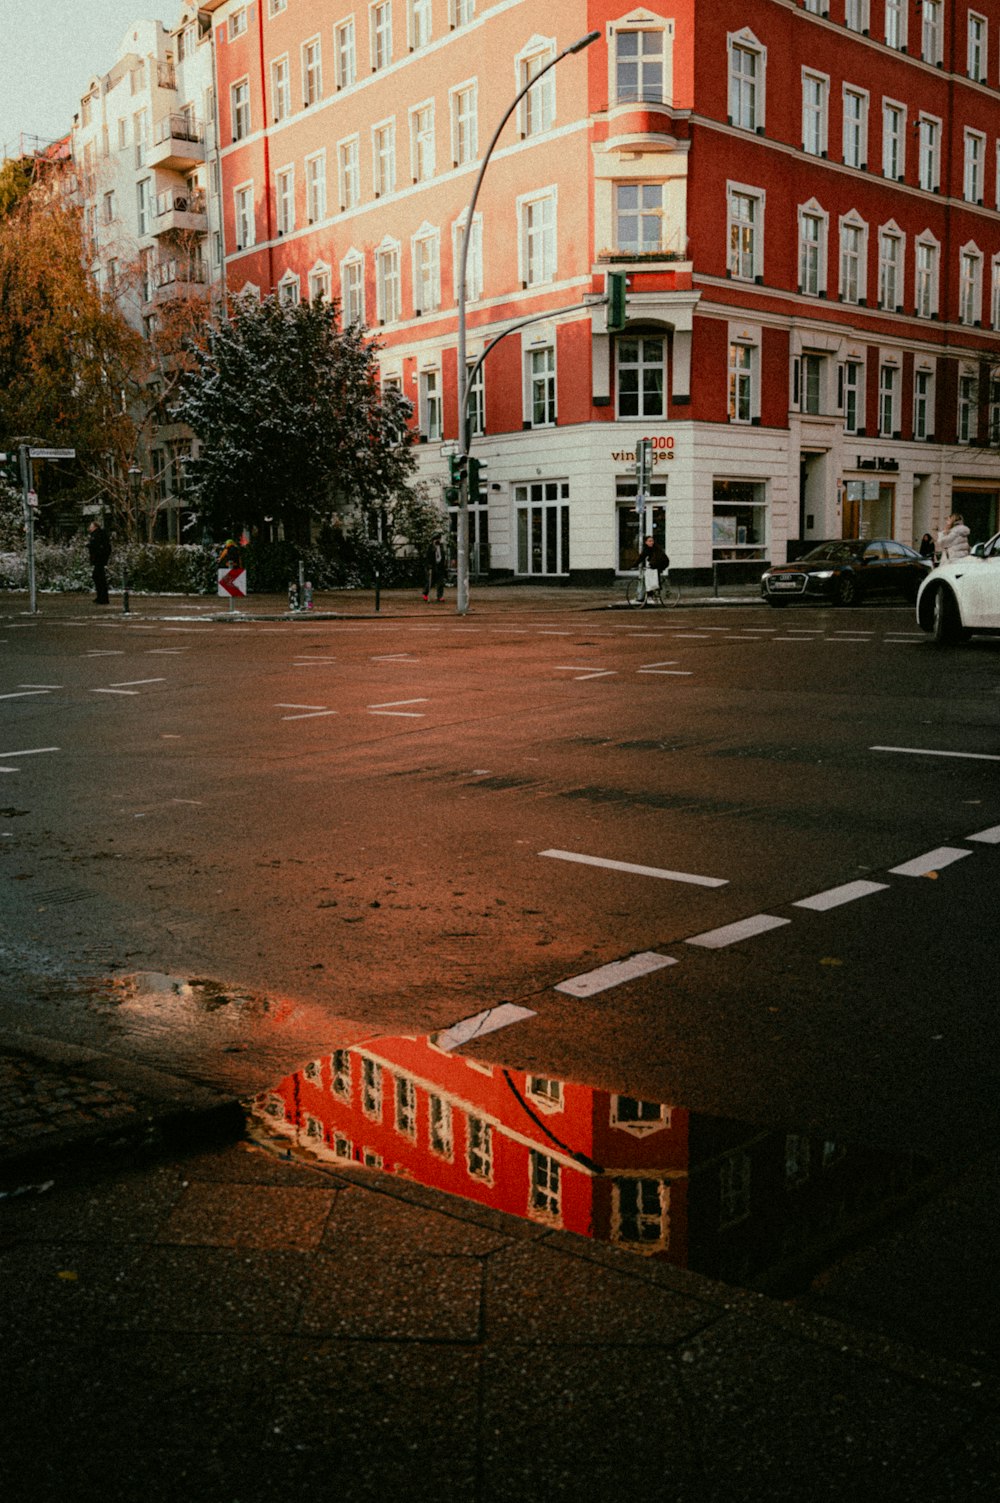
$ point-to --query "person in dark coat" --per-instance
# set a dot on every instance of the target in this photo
(652, 556)
(436, 564)
(99, 550)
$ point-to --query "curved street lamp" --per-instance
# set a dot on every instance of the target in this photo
(464, 445)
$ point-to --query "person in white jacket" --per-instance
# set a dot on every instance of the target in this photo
(953, 542)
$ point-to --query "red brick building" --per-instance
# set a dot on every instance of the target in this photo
(805, 198)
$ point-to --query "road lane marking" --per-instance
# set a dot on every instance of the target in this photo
(309, 715)
(24, 694)
(129, 683)
(987, 837)
(652, 667)
(108, 653)
(487, 1021)
(39, 686)
(668, 672)
(731, 934)
(395, 704)
(33, 751)
(133, 692)
(615, 974)
(930, 861)
(929, 751)
(394, 657)
(637, 871)
(835, 896)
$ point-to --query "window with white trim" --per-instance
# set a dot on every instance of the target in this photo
(895, 24)
(238, 23)
(312, 72)
(274, 7)
(853, 286)
(856, 15)
(812, 251)
(640, 375)
(461, 12)
(419, 23)
(422, 141)
(384, 157)
(976, 46)
(640, 60)
(974, 166)
(927, 257)
(995, 293)
(320, 284)
(968, 408)
(371, 1088)
(893, 140)
(345, 57)
(340, 1074)
(144, 205)
(639, 217)
(815, 112)
(929, 152)
(538, 107)
(744, 361)
(747, 63)
(239, 105)
(316, 187)
(854, 138)
(923, 403)
(244, 216)
(476, 397)
(541, 386)
(809, 382)
(474, 260)
(284, 199)
(931, 30)
(288, 290)
(538, 239)
(890, 268)
(745, 232)
(888, 400)
(542, 519)
(427, 271)
(281, 88)
(640, 1212)
(441, 1138)
(406, 1107)
(352, 290)
(387, 292)
(349, 172)
(464, 125)
(852, 395)
(544, 1196)
(970, 285)
(479, 1148)
(380, 34)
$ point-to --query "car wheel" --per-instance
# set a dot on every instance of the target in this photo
(847, 590)
(946, 625)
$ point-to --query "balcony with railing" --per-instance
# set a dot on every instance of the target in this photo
(181, 276)
(180, 209)
(178, 143)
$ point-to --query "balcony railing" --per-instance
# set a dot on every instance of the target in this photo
(171, 273)
(180, 201)
(178, 128)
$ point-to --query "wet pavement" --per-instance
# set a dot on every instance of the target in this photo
(190, 1307)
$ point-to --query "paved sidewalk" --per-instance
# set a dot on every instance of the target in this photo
(189, 1315)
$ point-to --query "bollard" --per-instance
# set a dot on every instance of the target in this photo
(125, 599)
(378, 590)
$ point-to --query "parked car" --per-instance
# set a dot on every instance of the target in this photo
(963, 596)
(844, 571)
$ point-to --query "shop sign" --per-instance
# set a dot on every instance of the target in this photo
(663, 450)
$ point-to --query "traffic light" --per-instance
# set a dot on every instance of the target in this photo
(10, 468)
(457, 467)
(617, 308)
(477, 479)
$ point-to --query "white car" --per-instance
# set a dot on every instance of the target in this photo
(962, 597)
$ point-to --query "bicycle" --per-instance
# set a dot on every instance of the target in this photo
(663, 592)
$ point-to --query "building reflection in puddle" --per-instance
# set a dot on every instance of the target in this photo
(747, 1204)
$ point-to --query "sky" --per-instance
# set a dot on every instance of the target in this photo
(49, 51)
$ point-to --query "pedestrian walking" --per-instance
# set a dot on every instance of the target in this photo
(436, 565)
(99, 551)
(953, 541)
(927, 549)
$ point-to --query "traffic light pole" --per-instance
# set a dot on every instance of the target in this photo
(29, 524)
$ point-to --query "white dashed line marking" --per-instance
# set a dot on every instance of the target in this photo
(24, 694)
(34, 751)
(637, 871)
(835, 896)
(309, 715)
(731, 934)
(928, 751)
(931, 861)
(987, 837)
(130, 683)
(615, 974)
(479, 1023)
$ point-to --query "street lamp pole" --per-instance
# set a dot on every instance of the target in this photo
(464, 436)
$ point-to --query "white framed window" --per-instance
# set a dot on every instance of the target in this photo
(281, 88)
(968, 407)
(237, 23)
(464, 124)
(542, 513)
(895, 24)
(976, 46)
(349, 172)
(406, 1107)
(243, 206)
(853, 284)
(747, 66)
(995, 293)
(745, 232)
(815, 112)
(890, 267)
(744, 365)
(275, 7)
(380, 34)
(812, 250)
(537, 238)
(352, 289)
(441, 1136)
(929, 152)
(284, 199)
(888, 400)
(856, 15)
(545, 1091)
(544, 1187)
(852, 395)
(345, 57)
(927, 260)
(320, 283)
(854, 128)
(419, 20)
(540, 364)
(384, 157)
(931, 30)
(422, 141)
(639, 217)
(371, 1088)
(816, 7)
(288, 290)
(640, 375)
(387, 291)
(312, 72)
(893, 140)
(239, 107)
(476, 398)
(144, 205)
(480, 1148)
(316, 187)
(809, 382)
(461, 12)
(340, 1074)
(426, 270)
(923, 403)
(640, 1212)
(140, 136)
(974, 167)
(970, 285)
(538, 107)
(474, 260)
(642, 64)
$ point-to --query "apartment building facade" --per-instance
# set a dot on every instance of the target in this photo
(805, 198)
(145, 148)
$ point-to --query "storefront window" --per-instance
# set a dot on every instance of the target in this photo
(654, 519)
(542, 509)
(739, 519)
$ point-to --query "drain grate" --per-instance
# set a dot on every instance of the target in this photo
(59, 895)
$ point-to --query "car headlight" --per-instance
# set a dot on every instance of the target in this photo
(824, 573)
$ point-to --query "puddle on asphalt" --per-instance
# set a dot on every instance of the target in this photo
(749, 1205)
(148, 991)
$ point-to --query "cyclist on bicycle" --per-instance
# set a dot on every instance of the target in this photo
(653, 556)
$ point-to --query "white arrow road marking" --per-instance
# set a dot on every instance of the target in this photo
(638, 871)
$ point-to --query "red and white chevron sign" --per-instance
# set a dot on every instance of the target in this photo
(232, 582)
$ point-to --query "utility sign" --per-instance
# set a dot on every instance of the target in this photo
(52, 453)
(232, 582)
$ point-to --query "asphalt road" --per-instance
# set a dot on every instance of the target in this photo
(375, 826)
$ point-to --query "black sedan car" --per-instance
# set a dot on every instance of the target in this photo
(844, 571)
